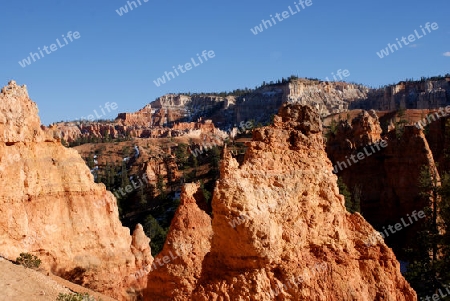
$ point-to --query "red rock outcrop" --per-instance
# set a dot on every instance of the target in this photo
(280, 228)
(71, 131)
(165, 167)
(142, 117)
(176, 270)
(386, 180)
(423, 94)
(51, 207)
(438, 137)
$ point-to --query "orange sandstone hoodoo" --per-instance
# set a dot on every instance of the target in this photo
(51, 207)
(295, 221)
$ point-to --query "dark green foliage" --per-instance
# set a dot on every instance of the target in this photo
(92, 139)
(193, 162)
(64, 142)
(90, 161)
(142, 197)
(125, 181)
(444, 210)
(156, 233)
(356, 199)
(28, 260)
(109, 174)
(206, 193)
(215, 160)
(161, 187)
(423, 272)
(333, 127)
(182, 155)
(400, 123)
(343, 189)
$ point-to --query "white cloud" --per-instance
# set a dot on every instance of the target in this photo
(447, 53)
(414, 45)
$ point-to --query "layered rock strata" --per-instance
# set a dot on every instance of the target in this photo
(51, 207)
(386, 180)
(424, 94)
(280, 230)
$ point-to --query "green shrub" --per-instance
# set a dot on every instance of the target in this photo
(75, 297)
(28, 260)
(156, 233)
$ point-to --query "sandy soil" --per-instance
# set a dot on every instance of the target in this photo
(18, 283)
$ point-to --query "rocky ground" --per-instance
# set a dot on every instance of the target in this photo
(18, 283)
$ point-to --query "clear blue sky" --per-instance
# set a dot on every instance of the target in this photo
(117, 58)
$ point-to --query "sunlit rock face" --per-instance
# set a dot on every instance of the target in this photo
(51, 207)
(280, 230)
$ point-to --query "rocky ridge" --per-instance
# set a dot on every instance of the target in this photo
(424, 94)
(386, 194)
(279, 229)
(51, 207)
(158, 117)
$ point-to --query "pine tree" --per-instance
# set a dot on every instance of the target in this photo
(156, 233)
(422, 271)
(444, 214)
(142, 197)
(343, 189)
(206, 193)
(161, 187)
(215, 160)
(108, 176)
(356, 199)
(124, 176)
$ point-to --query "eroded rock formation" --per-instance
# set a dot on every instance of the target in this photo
(72, 132)
(176, 270)
(260, 104)
(280, 229)
(424, 94)
(386, 180)
(51, 207)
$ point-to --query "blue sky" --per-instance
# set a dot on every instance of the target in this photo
(117, 58)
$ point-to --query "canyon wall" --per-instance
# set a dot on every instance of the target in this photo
(261, 104)
(326, 97)
(73, 132)
(386, 179)
(51, 207)
(279, 229)
(424, 94)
